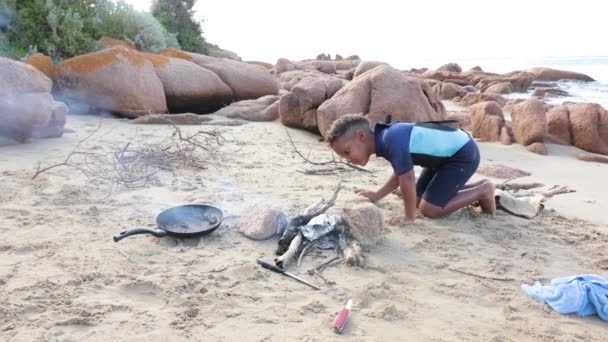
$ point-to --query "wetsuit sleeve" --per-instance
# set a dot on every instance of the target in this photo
(398, 151)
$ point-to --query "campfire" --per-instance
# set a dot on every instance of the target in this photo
(313, 229)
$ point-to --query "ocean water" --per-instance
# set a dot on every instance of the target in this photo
(594, 66)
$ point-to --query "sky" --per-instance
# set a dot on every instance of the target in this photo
(407, 34)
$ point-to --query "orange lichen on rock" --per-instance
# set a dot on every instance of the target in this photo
(171, 52)
(96, 60)
(157, 61)
(41, 62)
(112, 42)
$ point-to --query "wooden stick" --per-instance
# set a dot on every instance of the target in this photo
(324, 265)
(327, 282)
(480, 276)
(305, 251)
(316, 209)
(558, 191)
(354, 255)
(518, 186)
(291, 251)
(323, 171)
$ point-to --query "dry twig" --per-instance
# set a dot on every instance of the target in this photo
(321, 163)
(133, 165)
(480, 276)
(67, 159)
(325, 265)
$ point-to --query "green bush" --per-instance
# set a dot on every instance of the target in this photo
(64, 28)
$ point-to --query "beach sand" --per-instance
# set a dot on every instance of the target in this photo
(62, 278)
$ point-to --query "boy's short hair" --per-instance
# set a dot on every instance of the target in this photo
(346, 124)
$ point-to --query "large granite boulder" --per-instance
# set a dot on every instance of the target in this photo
(487, 120)
(266, 108)
(27, 108)
(247, 81)
(549, 74)
(529, 122)
(380, 92)
(189, 87)
(118, 79)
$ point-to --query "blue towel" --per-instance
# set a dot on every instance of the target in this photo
(585, 294)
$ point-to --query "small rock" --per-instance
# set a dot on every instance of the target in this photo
(262, 221)
(538, 148)
(548, 92)
(365, 223)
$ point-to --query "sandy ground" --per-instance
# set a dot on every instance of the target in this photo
(62, 278)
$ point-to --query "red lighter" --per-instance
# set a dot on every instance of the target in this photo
(343, 317)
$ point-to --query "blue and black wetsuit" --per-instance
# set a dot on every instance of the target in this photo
(448, 155)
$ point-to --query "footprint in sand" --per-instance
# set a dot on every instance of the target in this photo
(142, 287)
(386, 312)
(373, 293)
(315, 307)
(603, 264)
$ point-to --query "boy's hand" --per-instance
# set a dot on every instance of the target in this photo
(401, 220)
(370, 195)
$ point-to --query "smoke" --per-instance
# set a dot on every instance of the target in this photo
(4, 21)
(7, 14)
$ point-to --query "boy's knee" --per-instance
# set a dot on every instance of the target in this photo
(428, 211)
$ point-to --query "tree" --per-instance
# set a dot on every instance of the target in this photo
(141, 29)
(177, 16)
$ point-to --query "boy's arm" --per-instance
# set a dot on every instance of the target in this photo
(407, 182)
(387, 188)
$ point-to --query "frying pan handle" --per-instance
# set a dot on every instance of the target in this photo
(134, 231)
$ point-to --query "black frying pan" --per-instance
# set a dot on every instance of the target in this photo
(183, 221)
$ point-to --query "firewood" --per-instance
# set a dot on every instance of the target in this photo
(354, 255)
(307, 214)
(291, 252)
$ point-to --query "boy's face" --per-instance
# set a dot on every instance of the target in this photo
(355, 147)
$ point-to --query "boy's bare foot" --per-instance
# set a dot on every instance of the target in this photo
(487, 202)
